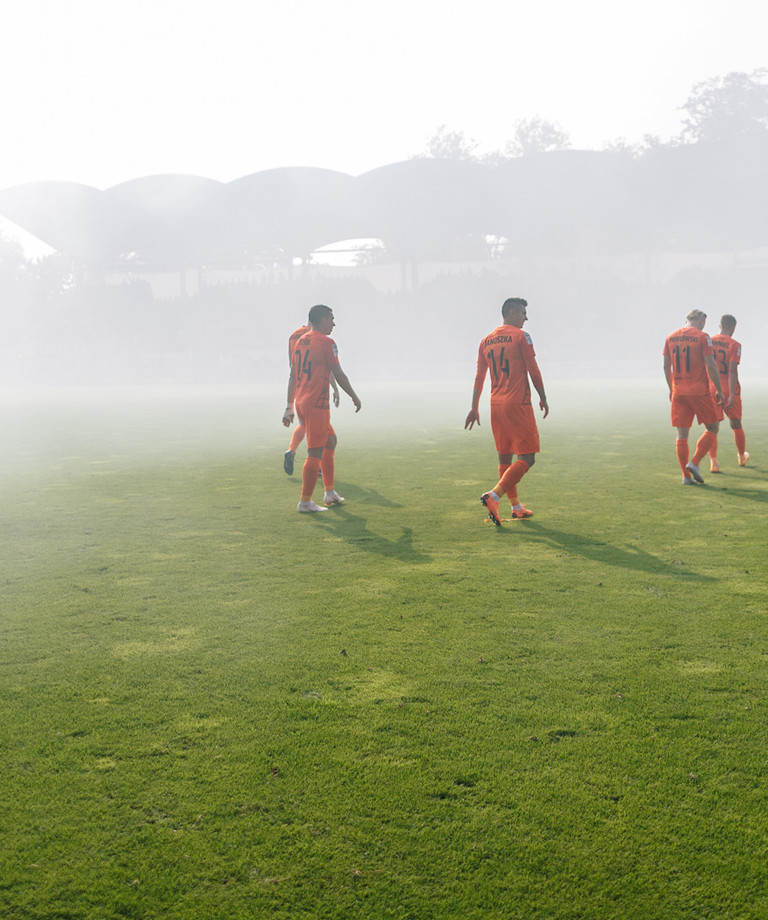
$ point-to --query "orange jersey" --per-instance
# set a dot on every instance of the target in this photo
(314, 358)
(508, 354)
(727, 351)
(687, 349)
(293, 338)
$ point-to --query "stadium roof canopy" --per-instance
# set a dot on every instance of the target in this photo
(561, 203)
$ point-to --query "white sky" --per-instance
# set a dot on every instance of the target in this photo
(102, 91)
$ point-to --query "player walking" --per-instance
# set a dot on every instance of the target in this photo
(315, 359)
(689, 366)
(298, 432)
(509, 356)
(727, 353)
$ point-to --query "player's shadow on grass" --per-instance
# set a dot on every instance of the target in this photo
(362, 496)
(740, 492)
(353, 529)
(609, 554)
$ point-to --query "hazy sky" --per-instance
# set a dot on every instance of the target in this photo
(102, 91)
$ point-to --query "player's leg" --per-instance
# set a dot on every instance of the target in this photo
(327, 465)
(706, 414)
(317, 423)
(507, 484)
(515, 432)
(505, 461)
(309, 475)
(707, 439)
(290, 455)
(683, 452)
(682, 418)
(740, 439)
(525, 441)
(519, 510)
(296, 438)
(714, 463)
(503, 441)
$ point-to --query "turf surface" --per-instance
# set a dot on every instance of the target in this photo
(214, 707)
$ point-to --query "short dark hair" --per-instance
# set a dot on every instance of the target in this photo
(727, 320)
(513, 304)
(317, 313)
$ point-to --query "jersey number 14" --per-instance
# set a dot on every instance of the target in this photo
(503, 365)
(303, 366)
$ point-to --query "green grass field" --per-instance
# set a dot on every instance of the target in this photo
(213, 707)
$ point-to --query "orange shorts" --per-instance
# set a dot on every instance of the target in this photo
(684, 408)
(317, 423)
(514, 428)
(733, 412)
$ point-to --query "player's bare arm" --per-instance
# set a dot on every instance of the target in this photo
(473, 416)
(343, 382)
(334, 387)
(288, 415)
(733, 382)
(536, 379)
(714, 376)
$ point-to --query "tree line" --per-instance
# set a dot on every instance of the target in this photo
(726, 108)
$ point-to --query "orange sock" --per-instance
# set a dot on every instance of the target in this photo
(512, 475)
(512, 493)
(309, 475)
(326, 465)
(296, 438)
(683, 453)
(713, 450)
(703, 445)
(741, 440)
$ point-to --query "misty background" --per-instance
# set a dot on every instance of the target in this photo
(176, 279)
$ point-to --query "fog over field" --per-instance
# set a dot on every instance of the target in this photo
(178, 378)
(57, 432)
(581, 329)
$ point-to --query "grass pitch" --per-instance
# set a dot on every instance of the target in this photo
(214, 707)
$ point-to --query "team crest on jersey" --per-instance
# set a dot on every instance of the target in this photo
(528, 339)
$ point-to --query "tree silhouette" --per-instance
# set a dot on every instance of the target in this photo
(449, 145)
(536, 135)
(733, 107)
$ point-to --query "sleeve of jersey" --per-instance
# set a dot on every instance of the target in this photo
(482, 369)
(531, 365)
(332, 354)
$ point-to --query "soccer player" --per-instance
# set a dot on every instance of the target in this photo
(509, 356)
(689, 366)
(727, 359)
(314, 359)
(298, 432)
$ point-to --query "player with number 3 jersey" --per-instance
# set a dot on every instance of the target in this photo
(727, 360)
